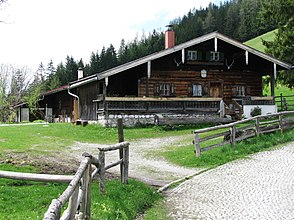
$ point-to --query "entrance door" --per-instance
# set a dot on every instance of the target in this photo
(215, 90)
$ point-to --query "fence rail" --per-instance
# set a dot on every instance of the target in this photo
(241, 130)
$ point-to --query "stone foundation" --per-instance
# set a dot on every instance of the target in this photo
(160, 119)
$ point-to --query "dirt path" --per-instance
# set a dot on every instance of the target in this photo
(143, 166)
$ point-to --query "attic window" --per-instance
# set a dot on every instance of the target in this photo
(214, 56)
(192, 55)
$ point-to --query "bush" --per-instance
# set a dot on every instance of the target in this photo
(255, 111)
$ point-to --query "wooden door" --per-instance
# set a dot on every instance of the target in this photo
(215, 90)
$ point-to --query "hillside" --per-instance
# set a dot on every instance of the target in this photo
(257, 42)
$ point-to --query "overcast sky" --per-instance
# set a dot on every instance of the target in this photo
(37, 31)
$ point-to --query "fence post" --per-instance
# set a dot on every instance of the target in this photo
(233, 135)
(125, 164)
(281, 123)
(85, 190)
(120, 131)
(73, 203)
(281, 95)
(197, 144)
(257, 127)
(101, 158)
(285, 104)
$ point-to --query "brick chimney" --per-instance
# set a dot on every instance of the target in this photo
(169, 37)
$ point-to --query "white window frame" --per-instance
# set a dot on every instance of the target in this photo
(165, 89)
(214, 56)
(192, 55)
(196, 89)
(239, 90)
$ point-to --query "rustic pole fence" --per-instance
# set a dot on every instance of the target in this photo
(242, 130)
(123, 162)
(78, 192)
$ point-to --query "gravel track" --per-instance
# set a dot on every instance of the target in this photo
(154, 171)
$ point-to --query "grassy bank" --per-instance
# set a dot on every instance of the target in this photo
(29, 200)
(184, 155)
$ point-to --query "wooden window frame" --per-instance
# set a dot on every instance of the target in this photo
(164, 89)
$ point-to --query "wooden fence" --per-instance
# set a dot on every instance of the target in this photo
(240, 130)
(285, 103)
(78, 192)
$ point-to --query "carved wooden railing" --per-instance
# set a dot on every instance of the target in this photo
(157, 105)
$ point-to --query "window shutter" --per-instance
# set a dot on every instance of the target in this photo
(172, 89)
(190, 90)
(199, 55)
(222, 57)
(207, 56)
(156, 89)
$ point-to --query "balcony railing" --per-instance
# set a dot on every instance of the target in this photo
(157, 105)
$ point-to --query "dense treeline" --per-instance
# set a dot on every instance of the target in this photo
(239, 19)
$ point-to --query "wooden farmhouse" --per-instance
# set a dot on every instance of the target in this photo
(210, 78)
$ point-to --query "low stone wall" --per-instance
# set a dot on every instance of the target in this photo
(161, 119)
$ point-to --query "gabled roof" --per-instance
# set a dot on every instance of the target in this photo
(179, 47)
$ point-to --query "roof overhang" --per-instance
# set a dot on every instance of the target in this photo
(204, 38)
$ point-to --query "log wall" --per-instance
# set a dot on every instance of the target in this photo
(182, 80)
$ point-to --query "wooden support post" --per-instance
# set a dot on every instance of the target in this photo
(197, 145)
(272, 86)
(125, 165)
(102, 171)
(120, 131)
(76, 110)
(233, 136)
(257, 127)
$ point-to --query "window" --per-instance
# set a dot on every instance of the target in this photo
(196, 90)
(164, 89)
(192, 55)
(238, 90)
(214, 56)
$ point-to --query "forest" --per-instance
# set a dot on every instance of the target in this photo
(240, 19)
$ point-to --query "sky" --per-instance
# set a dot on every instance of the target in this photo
(36, 31)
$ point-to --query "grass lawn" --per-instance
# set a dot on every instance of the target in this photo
(53, 136)
(30, 200)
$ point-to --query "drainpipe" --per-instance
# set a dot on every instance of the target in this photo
(77, 97)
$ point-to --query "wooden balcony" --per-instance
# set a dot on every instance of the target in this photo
(137, 105)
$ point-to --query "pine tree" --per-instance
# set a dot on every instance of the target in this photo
(281, 12)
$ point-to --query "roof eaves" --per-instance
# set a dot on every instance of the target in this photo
(87, 80)
(253, 51)
(154, 56)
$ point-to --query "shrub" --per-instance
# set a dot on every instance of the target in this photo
(255, 111)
